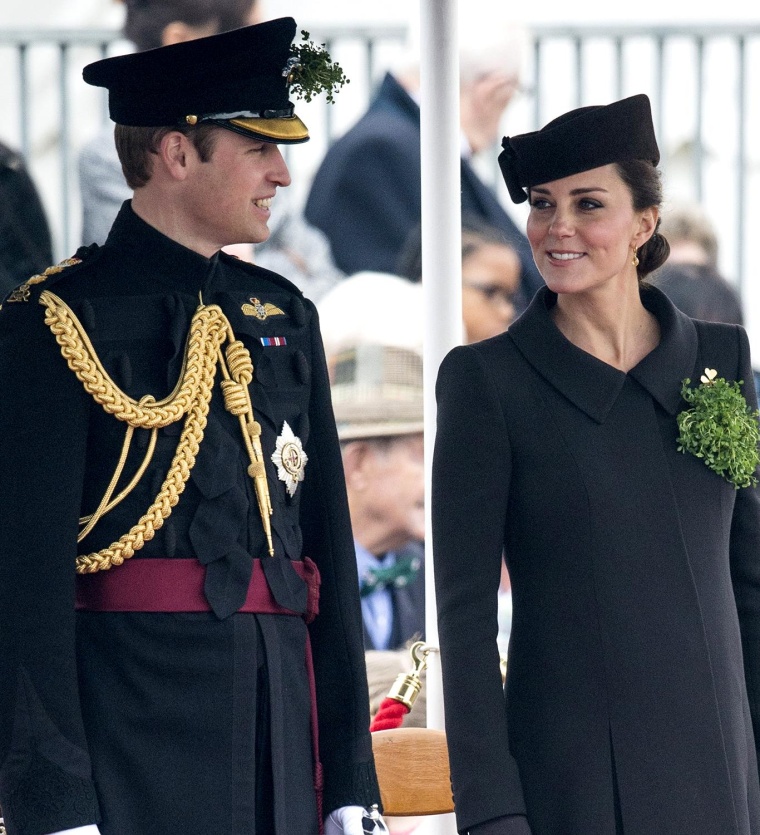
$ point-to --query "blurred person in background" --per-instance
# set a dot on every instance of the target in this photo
(700, 292)
(376, 308)
(377, 396)
(691, 236)
(376, 385)
(691, 277)
(293, 247)
(25, 245)
(490, 277)
(366, 196)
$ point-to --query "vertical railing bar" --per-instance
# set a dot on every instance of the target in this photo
(328, 107)
(369, 43)
(104, 93)
(659, 85)
(741, 166)
(537, 44)
(65, 128)
(699, 156)
(23, 83)
(578, 42)
(618, 68)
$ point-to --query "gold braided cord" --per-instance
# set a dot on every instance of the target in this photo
(237, 369)
(206, 328)
(209, 328)
(168, 495)
(94, 518)
(135, 480)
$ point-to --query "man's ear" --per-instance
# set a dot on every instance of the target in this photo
(355, 459)
(175, 151)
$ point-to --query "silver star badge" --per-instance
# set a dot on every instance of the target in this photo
(289, 458)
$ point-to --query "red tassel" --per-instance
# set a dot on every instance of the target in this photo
(390, 715)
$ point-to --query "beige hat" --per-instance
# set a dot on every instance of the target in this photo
(377, 392)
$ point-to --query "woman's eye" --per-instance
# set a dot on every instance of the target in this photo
(586, 203)
(539, 203)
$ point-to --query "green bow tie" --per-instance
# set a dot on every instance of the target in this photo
(396, 576)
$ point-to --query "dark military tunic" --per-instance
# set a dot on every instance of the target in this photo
(634, 663)
(172, 723)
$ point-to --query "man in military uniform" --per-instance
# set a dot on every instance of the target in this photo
(166, 428)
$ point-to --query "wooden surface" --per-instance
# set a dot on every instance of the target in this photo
(413, 770)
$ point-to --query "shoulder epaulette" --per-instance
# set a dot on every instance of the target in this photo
(23, 292)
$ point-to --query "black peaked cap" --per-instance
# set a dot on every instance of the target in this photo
(579, 140)
(236, 72)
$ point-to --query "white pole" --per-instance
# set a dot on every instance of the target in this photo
(441, 271)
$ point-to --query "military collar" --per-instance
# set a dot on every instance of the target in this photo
(592, 385)
(167, 262)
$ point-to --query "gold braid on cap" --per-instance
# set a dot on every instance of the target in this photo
(191, 398)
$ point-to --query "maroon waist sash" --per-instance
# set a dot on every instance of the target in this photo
(169, 585)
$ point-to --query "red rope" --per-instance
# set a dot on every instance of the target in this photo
(390, 715)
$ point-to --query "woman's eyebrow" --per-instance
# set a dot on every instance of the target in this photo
(574, 192)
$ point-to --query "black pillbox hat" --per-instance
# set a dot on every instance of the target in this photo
(579, 140)
(237, 79)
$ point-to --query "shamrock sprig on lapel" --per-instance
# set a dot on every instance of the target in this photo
(720, 428)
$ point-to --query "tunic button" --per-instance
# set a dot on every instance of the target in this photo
(301, 367)
(264, 372)
(298, 312)
(87, 315)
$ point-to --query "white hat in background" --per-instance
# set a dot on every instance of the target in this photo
(372, 329)
(371, 308)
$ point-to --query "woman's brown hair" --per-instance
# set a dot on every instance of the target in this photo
(643, 181)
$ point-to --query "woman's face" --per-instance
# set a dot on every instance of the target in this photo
(583, 229)
(490, 279)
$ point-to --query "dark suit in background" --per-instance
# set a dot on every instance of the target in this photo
(25, 246)
(407, 603)
(366, 194)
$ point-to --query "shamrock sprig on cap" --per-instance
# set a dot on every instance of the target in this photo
(310, 71)
(720, 428)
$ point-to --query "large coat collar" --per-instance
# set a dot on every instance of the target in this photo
(592, 385)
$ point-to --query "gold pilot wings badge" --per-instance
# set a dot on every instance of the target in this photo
(289, 458)
(261, 310)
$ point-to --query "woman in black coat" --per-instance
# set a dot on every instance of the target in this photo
(633, 681)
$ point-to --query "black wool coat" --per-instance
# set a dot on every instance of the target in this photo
(162, 722)
(634, 664)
